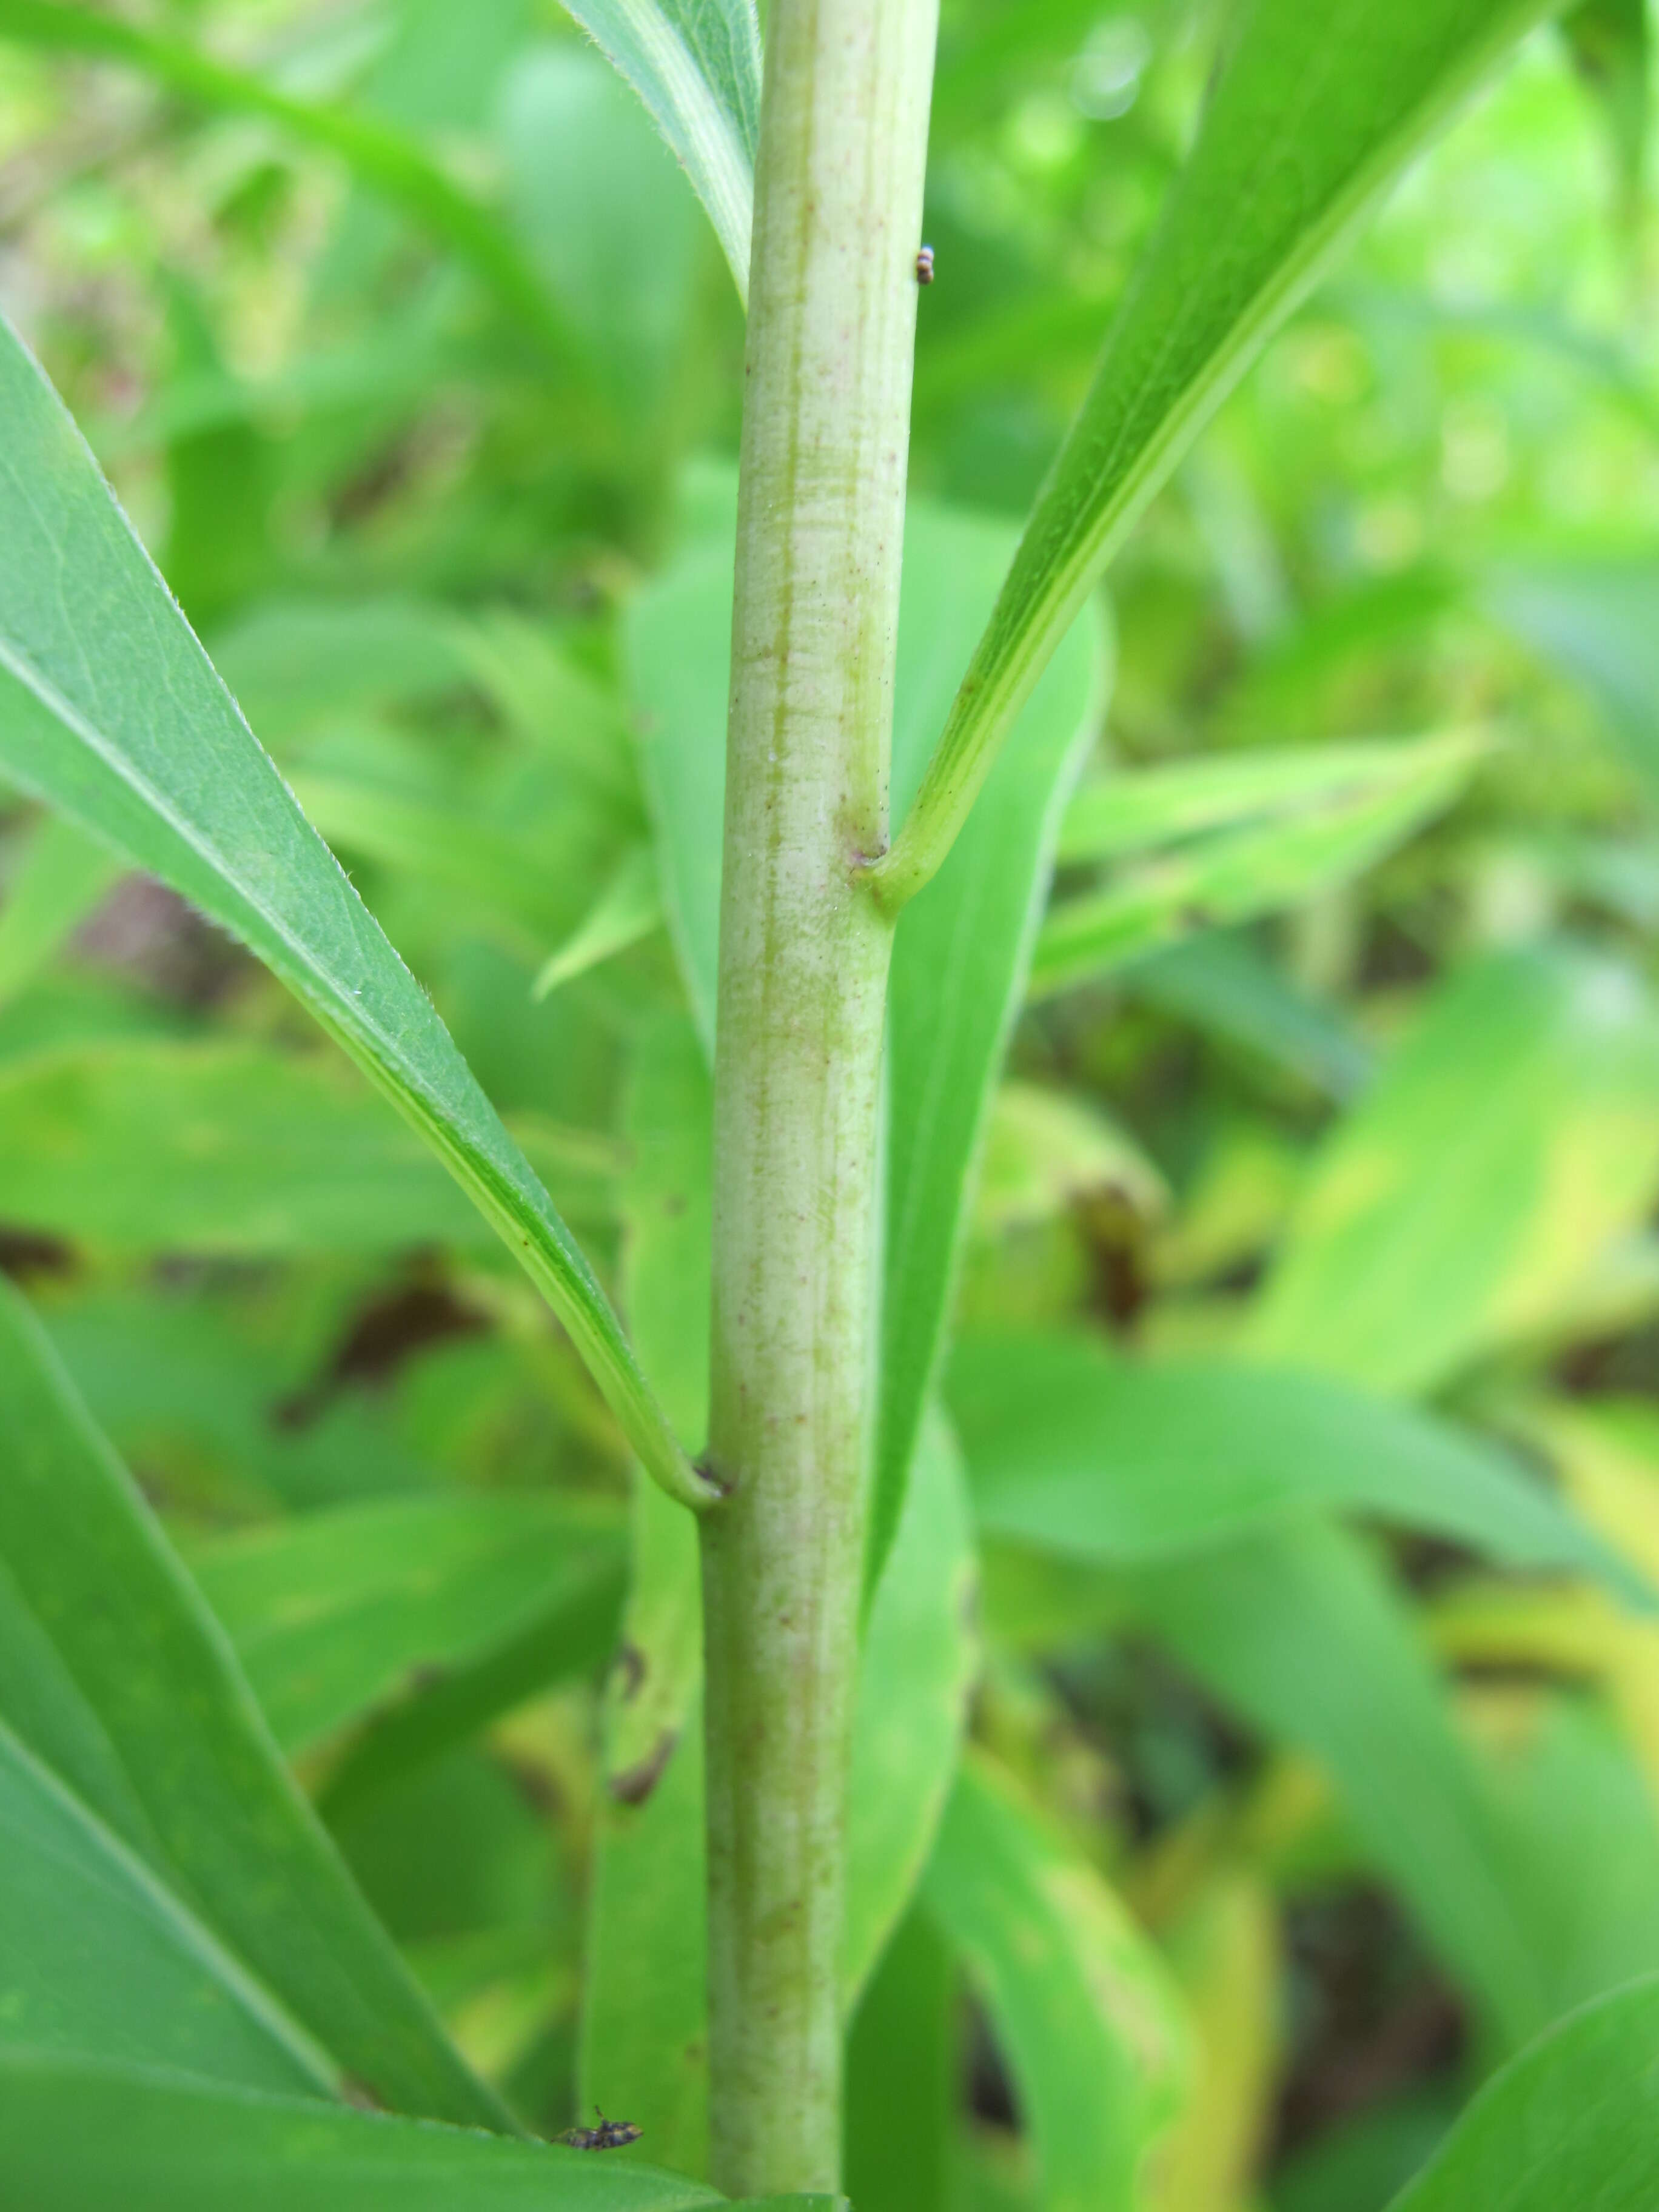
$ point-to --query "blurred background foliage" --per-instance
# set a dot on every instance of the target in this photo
(1340, 1052)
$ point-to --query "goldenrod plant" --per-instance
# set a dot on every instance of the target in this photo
(992, 1545)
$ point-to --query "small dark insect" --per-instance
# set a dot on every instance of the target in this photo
(610, 2135)
(925, 265)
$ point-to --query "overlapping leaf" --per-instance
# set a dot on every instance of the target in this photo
(1510, 1139)
(696, 65)
(79, 2138)
(149, 1802)
(1573, 2120)
(1082, 2006)
(337, 1614)
(1119, 1460)
(146, 1143)
(1310, 122)
(1313, 839)
(110, 710)
(1301, 1633)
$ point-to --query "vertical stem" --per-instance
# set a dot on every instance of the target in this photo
(804, 957)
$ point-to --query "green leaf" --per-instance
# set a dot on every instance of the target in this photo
(644, 2037)
(182, 1382)
(1235, 876)
(60, 879)
(1225, 985)
(1509, 1140)
(677, 643)
(555, 708)
(1115, 1460)
(293, 663)
(81, 2138)
(170, 1759)
(628, 908)
(364, 817)
(1310, 124)
(696, 65)
(1082, 2007)
(377, 154)
(191, 796)
(961, 958)
(920, 1657)
(337, 1613)
(1299, 1632)
(606, 215)
(1139, 809)
(1573, 2121)
(901, 2071)
(141, 1144)
(100, 1959)
(1574, 1794)
(644, 2047)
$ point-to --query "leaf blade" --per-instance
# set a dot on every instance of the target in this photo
(1118, 1462)
(195, 801)
(337, 1614)
(174, 1758)
(697, 70)
(1573, 2119)
(1308, 125)
(1300, 1631)
(1080, 2000)
(76, 2136)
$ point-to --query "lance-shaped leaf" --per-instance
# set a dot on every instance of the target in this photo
(696, 65)
(1509, 1140)
(1141, 810)
(901, 2068)
(628, 908)
(1300, 1632)
(1573, 2121)
(336, 1615)
(919, 1657)
(152, 1144)
(110, 710)
(644, 2037)
(1083, 2007)
(148, 1812)
(1314, 117)
(1245, 871)
(960, 961)
(1114, 1460)
(75, 2137)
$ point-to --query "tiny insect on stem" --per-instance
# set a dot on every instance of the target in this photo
(610, 2135)
(925, 265)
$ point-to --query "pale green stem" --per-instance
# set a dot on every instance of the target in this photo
(804, 957)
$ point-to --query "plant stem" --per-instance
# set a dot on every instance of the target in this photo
(804, 958)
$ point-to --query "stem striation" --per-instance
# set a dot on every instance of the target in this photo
(804, 959)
